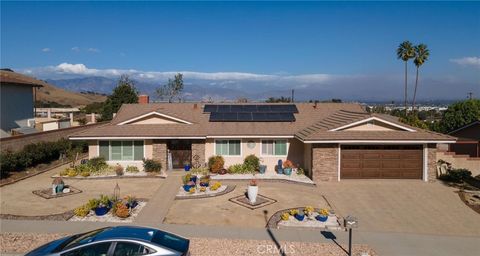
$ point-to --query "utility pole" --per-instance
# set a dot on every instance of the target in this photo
(293, 94)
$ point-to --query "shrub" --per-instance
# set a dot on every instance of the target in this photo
(456, 175)
(288, 164)
(216, 163)
(93, 203)
(85, 174)
(119, 170)
(82, 211)
(252, 162)
(239, 169)
(200, 171)
(71, 172)
(97, 164)
(151, 165)
(215, 186)
(132, 169)
(121, 210)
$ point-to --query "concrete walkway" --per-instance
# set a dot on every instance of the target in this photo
(159, 204)
(385, 243)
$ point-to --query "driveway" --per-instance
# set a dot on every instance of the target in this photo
(405, 206)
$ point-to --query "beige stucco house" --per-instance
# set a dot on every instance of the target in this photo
(332, 141)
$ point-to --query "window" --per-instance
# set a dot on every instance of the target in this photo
(100, 249)
(228, 147)
(121, 150)
(130, 249)
(274, 147)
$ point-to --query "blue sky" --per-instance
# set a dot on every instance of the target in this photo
(334, 39)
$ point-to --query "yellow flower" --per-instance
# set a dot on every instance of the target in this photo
(293, 212)
(308, 209)
(285, 216)
(323, 212)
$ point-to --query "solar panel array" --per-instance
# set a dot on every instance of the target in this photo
(251, 113)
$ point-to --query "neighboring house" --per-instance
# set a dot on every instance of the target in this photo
(44, 124)
(17, 101)
(468, 142)
(332, 141)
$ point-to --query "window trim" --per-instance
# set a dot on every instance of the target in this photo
(287, 145)
(215, 147)
(121, 161)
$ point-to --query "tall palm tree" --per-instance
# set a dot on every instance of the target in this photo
(405, 52)
(421, 56)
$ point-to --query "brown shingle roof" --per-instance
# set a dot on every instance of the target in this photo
(11, 77)
(310, 124)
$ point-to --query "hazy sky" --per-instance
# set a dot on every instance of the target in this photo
(285, 42)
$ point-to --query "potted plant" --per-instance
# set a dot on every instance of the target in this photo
(122, 211)
(287, 167)
(300, 216)
(252, 191)
(204, 181)
(262, 168)
(322, 215)
(279, 167)
(119, 170)
(104, 205)
(131, 202)
(186, 166)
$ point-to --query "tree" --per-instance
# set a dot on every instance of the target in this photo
(278, 100)
(421, 56)
(460, 114)
(172, 89)
(124, 93)
(405, 52)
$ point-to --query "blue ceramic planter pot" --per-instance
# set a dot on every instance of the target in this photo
(187, 167)
(187, 187)
(59, 188)
(287, 171)
(134, 204)
(321, 218)
(100, 211)
(204, 184)
(263, 168)
(280, 170)
(299, 217)
(194, 179)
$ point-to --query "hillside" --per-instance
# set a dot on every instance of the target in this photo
(74, 99)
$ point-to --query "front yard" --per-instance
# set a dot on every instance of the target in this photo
(18, 199)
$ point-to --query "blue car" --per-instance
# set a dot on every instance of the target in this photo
(117, 241)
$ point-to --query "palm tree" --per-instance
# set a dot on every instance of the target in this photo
(421, 56)
(405, 52)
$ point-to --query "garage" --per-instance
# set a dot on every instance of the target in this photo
(381, 162)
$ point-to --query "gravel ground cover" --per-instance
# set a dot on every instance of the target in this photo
(266, 176)
(23, 242)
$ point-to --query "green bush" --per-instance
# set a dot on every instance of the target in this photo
(97, 164)
(36, 153)
(240, 169)
(252, 162)
(151, 165)
(456, 175)
(132, 169)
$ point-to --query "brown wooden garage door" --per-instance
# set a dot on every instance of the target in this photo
(381, 162)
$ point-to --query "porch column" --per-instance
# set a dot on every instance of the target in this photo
(325, 162)
(159, 152)
(432, 162)
(198, 149)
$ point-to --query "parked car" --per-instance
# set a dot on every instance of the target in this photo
(117, 241)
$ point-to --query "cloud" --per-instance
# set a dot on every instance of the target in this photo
(95, 50)
(46, 50)
(467, 61)
(75, 49)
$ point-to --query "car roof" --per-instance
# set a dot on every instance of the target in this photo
(126, 232)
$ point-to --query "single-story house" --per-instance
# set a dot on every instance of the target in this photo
(332, 141)
(468, 142)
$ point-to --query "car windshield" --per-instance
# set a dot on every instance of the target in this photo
(171, 241)
(80, 239)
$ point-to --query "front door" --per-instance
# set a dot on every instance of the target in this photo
(181, 151)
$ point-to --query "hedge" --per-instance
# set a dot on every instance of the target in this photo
(36, 153)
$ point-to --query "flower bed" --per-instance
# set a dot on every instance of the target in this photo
(305, 217)
(109, 209)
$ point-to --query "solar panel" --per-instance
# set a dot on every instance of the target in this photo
(251, 112)
(251, 108)
(284, 108)
(210, 108)
(244, 117)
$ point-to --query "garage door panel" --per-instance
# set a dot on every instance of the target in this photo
(381, 162)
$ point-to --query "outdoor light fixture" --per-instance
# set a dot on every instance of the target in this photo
(350, 222)
(116, 192)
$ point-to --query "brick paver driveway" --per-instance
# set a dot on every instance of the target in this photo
(403, 206)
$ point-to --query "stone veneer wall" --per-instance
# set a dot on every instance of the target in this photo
(432, 163)
(159, 150)
(324, 162)
(198, 148)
